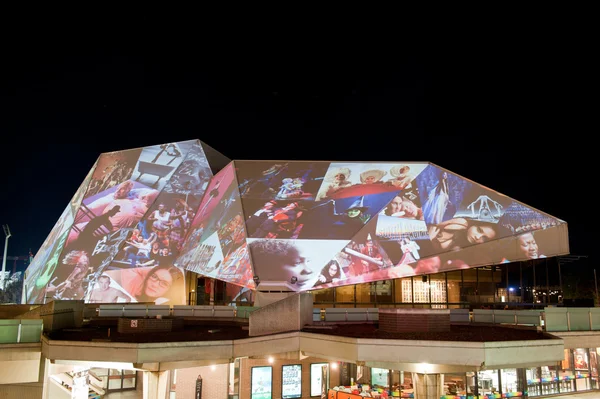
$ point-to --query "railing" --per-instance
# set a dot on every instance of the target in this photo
(17, 331)
(572, 319)
(149, 310)
(346, 314)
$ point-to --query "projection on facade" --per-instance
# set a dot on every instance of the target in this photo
(144, 217)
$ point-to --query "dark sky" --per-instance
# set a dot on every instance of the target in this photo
(504, 120)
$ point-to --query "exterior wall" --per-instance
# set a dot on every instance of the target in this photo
(289, 314)
(246, 372)
(21, 391)
(214, 382)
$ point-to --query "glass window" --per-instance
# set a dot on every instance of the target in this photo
(454, 384)
(566, 376)
(325, 295)
(534, 381)
(487, 285)
(437, 288)
(469, 289)
(510, 382)
(345, 294)
(454, 286)
(383, 291)
(400, 296)
(488, 382)
(364, 293)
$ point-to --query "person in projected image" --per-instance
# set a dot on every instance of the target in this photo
(403, 208)
(331, 273)
(279, 260)
(160, 284)
(459, 233)
(528, 247)
(104, 293)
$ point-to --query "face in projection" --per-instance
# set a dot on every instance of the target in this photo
(298, 267)
(406, 206)
(103, 283)
(333, 269)
(158, 283)
(528, 246)
(478, 234)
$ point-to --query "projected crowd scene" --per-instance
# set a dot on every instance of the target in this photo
(143, 218)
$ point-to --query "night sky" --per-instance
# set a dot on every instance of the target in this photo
(502, 120)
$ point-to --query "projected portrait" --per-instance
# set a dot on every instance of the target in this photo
(354, 179)
(295, 264)
(280, 180)
(163, 284)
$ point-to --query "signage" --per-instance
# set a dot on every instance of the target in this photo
(315, 378)
(134, 324)
(261, 383)
(291, 381)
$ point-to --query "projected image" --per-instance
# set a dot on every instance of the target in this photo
(441, 194)
(358, 179)
(46, 260)
(362, 256)
(292, 264)
(156, 164)
(275, 219)
(105, 290)
(482, 205)
(163, 284)
(81, 191)
(519, 218)
(298, 180)
(112, 169)
(192, 176)
(216, 244)
(341, 218)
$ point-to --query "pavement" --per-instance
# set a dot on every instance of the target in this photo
(581, 395)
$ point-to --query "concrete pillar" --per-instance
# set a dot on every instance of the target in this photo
(428, 386)
(156, 384)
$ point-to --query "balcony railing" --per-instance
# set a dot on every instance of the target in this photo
(18, 331)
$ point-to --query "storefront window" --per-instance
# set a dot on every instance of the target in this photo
(582, 369)
(364, 293)
(488, 382)
(566, 376)
(510, 382)
(594, 367)
(534, 381)
(454, 384)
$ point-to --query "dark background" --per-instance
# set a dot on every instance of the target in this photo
(508, 118)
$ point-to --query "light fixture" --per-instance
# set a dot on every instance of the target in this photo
(270, 359)
(334, 366)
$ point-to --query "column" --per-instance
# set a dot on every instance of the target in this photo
(156, 384)
(428, 386)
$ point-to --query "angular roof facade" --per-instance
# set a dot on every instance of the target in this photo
(142, 217)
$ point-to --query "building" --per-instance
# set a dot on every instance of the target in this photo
(395, 275)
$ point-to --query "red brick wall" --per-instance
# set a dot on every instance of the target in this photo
(410, 322)
(247, 364)
(214, 382)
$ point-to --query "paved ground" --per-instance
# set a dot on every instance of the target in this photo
(587, 395)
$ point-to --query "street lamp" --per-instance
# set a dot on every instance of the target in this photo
(7, 233)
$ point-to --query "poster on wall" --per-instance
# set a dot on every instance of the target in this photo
(291, 381)
(316, 378)
(261, 386)
(379, 377)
